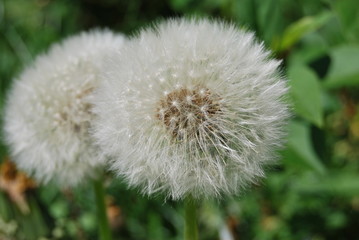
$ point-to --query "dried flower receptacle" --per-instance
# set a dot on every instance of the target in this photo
(187, 111)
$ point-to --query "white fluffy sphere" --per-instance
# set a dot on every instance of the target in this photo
(191, 108)
(48, 112)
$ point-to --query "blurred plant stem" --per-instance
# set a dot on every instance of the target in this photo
(190, 227)
(104, 229)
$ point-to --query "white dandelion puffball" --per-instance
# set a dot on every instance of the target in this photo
(191, 108)
(48, 112)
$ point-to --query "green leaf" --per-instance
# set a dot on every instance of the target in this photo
(349, 18)
(300, 152)
(298, 29)
(154, 226)
(306, 93)
(337, 183)
(180, 5)
(344, 70)
(31, 226)
(4, 207)
(270, 20)
(313, 47)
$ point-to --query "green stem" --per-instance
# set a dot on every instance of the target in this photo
(104, 228)
(190, 227)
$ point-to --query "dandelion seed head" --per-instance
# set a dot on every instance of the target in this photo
(48, 112)
(216, 107)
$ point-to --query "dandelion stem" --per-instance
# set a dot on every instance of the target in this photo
(104, 229)
(190, 227)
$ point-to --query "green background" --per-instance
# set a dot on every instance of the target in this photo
(313, 193)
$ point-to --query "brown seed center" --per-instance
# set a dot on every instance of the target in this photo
(77, 112)
(185, 111)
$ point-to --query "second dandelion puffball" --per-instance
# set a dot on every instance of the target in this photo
(191, 108)
(48, 111)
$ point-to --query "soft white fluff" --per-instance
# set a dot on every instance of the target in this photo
(191, 108)
(48, 112)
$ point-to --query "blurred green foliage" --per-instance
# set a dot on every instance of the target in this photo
(312, 194)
